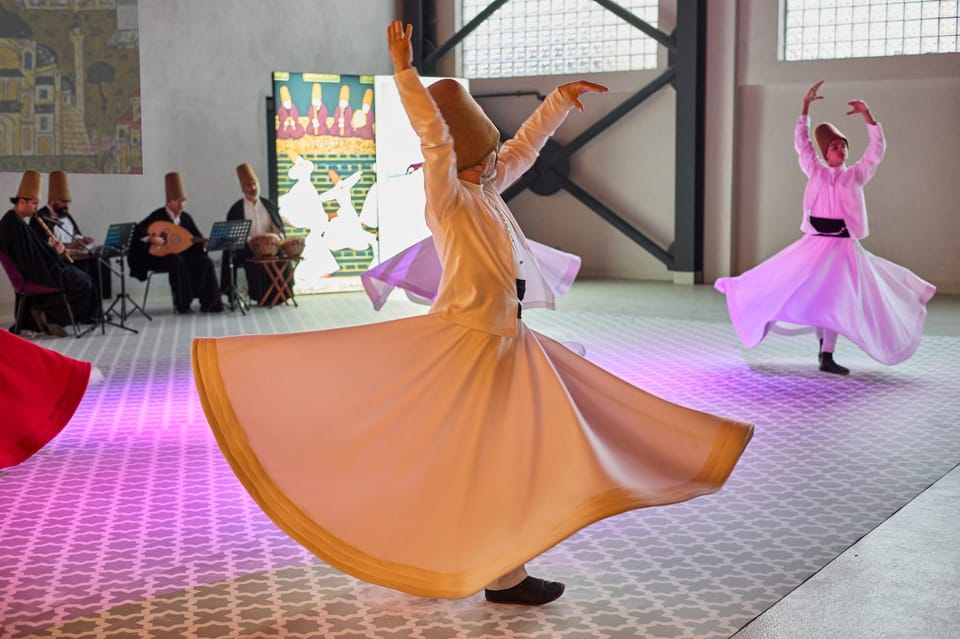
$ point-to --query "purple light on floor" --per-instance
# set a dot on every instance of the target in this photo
(132, 500)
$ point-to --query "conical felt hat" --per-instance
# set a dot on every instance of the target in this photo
(245, 174)
(174, 187)
(474, 135)
(827, 133)
(29, 186)
(57, 187)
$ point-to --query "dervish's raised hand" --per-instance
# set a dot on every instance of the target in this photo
(811, 96)
(573, 90)
(859, 106)
(398, 43)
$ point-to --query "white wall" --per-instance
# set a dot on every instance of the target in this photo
(205, 74)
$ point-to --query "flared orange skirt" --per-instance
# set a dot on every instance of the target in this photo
(432, 458)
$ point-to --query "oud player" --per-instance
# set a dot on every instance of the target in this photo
(191, 271)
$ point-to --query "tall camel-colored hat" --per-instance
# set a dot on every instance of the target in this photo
(57, 187)
(474, 135)
(245, 174)
(316, 91)
(344, 93)
(827, 133)
(29, 186)
(174, 187)
(284, 94)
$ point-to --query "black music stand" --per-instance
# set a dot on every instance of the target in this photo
(117, 245)
(231, 236)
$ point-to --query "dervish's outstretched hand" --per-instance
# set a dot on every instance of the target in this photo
(574, 90)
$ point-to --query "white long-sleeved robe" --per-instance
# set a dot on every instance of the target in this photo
(484, 443)
(833, 282)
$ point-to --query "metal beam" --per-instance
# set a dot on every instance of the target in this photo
(616, 221)
(547, 162)
(631, 19)
(686, 47)
(690, 83)
(412, 13)
(430, 62)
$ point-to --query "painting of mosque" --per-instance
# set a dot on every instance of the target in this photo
(70, 86)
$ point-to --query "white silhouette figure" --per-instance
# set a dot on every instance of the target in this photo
(345, 230)
(301, 206)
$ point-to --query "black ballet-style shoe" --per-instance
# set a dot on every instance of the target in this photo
(827, 365)
(529, 592)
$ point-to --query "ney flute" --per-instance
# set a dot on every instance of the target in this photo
(46, 228)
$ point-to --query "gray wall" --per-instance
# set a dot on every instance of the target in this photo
(206, 71)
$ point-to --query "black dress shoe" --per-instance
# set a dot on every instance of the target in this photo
(183, 311)
(529, 592)
(213, 308)
(827, 365)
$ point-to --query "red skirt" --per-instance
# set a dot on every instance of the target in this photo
(39, 392)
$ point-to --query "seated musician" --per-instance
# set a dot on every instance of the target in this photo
(191, 272)
(60, 221)
(264, 218)
(39, 262)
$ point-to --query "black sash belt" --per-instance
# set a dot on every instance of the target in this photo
(829, 227)
(521, 289)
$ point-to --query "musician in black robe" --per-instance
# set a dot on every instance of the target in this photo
(57, 217)
(39, 263)
(191, 272)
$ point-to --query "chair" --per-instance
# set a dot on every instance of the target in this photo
(146, 290)
(25, 290)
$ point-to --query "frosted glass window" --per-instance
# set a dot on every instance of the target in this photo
(829, 29)
(553, 37)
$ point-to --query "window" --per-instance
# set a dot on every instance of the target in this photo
(553, 37)
(828, 29)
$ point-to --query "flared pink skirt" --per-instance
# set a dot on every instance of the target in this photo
(836, 284)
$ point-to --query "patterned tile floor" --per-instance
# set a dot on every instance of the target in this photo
(130, 524)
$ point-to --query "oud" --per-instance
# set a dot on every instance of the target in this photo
(176, 239)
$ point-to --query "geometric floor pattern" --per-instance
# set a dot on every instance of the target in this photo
(131, 523)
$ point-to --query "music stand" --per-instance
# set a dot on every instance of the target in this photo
(117, 245)
(231, 236)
